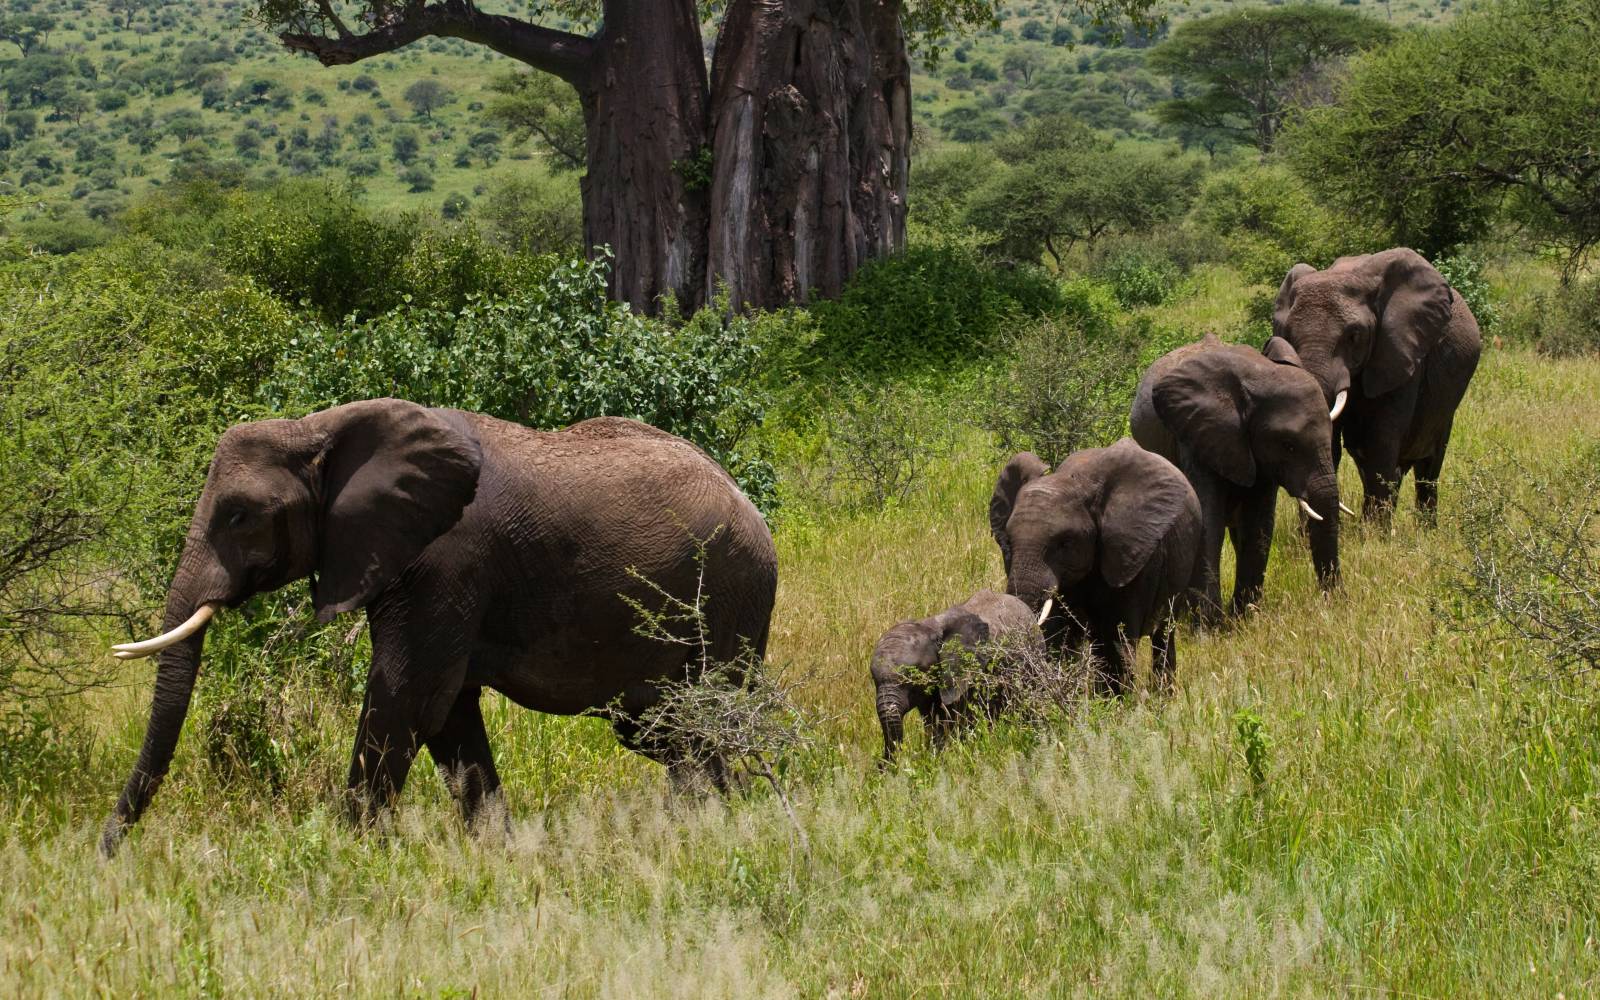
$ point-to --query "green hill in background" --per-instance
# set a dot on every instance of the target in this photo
(102, 101)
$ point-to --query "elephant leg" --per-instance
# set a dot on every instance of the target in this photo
(1205, 588)
(685, 764)
(1378, 486)
(1427, 485)
(461, 751)
(404, 703)
(385, 746)
(1112, 660)
(1250, 529)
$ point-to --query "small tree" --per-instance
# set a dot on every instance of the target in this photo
(1247, 68)
(427, 96)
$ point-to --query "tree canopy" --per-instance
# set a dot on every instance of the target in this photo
(1066, 184)
(1249, 67)
(1496, 111)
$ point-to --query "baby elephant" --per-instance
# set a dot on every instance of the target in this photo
(937, 685)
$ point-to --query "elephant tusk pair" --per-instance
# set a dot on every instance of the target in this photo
(196, 622)
(1309, 512)
(1338, 404)
(1044, 612)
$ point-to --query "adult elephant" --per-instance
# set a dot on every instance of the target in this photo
(1102, 549)
(486, 555)
(1241, 424)
(1393, 348)
(916, 665)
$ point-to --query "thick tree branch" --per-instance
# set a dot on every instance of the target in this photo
(560, 53)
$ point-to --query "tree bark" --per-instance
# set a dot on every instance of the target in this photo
(811, 118)
(644, 105)
(811, 114)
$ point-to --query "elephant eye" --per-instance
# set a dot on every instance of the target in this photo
(237, 518)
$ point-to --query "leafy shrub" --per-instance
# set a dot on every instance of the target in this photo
(1063, 389)
(1571, 322)
(872, 447)
(1464, 271)
(1137, 278)
(1533, 566)
(314, 244)
(1269, 221)
(560, 351)
(932, 308)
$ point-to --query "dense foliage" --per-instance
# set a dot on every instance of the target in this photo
(1492, 112)
(1248, 68)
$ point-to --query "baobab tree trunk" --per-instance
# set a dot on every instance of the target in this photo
(644, 105)
(811, 123)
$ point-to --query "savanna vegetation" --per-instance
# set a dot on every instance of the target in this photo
(1391, 789)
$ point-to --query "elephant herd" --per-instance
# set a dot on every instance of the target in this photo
(487, 554)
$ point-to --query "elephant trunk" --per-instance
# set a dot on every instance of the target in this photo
(893, 702)
(1323, 496)
(175, 677)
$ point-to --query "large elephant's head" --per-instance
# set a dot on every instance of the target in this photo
(1370, 319)
(917, 664)
(1104, 512)
(1253, 418)
(349, 496)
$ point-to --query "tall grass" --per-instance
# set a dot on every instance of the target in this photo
(1426, 820)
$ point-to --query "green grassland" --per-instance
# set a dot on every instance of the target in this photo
(1345, 796)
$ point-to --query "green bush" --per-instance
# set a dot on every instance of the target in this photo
(559, 351)
(1137, 277)
(1065, 386)
(1268, 221)
(1571, 324)
(931, 309)
(314, 244)
(1464, 271)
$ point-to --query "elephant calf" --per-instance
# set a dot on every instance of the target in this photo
(1240, 424)
(1102, 549)
(937, 684)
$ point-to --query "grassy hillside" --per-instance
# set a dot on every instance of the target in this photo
(1423, 821)
(108, 105)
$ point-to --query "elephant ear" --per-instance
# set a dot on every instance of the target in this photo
(1285, 299)
(1281, 352)
(1145, 497)
(963, 633)
(395, 476)
(1413, 303)
(1203, 403)
(1024, 467)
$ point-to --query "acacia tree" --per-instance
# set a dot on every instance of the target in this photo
(1249, 67)
(1493, 113)
(778, 173)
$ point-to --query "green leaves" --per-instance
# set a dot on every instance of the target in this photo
(1492, 112)
(1253, 63)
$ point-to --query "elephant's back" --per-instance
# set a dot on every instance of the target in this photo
(1144, 423)
(1006, 616)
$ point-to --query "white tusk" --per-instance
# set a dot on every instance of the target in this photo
(196, 622)
(1347, 510)
(1044, 613)
(1338, 404)
(1309, 512)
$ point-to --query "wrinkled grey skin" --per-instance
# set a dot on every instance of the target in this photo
(1113, 536)
(486, 554)
(986, 625)
(1387, 328)
(1242, 424)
